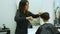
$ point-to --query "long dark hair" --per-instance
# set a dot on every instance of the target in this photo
(22, 5)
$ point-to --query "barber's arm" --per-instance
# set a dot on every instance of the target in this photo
(19, 18)
(33, 15)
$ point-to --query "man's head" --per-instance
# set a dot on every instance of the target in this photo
(45, 16)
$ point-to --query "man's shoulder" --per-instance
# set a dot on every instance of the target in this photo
(47, 25)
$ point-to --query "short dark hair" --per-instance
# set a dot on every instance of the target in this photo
(45, 16)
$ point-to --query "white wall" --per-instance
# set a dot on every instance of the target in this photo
(57, 3)
(7, 12)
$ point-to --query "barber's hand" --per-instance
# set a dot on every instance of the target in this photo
(39, 13)
(29, 18)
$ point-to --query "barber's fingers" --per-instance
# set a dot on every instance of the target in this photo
(30, 18)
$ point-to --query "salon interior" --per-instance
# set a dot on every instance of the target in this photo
(8, 10)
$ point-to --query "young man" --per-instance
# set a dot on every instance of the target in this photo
(46, 28)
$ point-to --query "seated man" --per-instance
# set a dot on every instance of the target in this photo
(46, 28)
